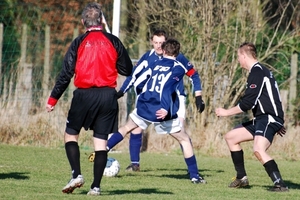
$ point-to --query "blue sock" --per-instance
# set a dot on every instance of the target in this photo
(114, 140)
(192, 166)
(135, 143)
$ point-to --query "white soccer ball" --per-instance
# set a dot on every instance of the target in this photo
(112, 167)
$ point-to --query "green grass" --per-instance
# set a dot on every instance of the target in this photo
(40, 173)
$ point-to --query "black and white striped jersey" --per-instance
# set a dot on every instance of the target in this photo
(262, 93)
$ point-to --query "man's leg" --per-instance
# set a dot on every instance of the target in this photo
(189, 157)
(100, 160)
(233, 139)
(135, 143)
(119, 136)
(73, 155)
(261, 144)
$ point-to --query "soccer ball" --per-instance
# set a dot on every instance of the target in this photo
(112, 167)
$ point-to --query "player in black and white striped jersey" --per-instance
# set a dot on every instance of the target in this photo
(262, 97)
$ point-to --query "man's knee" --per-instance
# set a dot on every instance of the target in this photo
(70, 137)
(258, 156)
(182, 136)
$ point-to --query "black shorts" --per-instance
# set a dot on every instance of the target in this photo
(264, 125)
(95, 109)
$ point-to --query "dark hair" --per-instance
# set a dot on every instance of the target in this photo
(92, 15)
(171, 47)
(248, 48)
(159, 33)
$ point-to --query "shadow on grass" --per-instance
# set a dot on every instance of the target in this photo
(14, 175)
(182, 169)
(203, 172)
(139, 191)
(291, 185)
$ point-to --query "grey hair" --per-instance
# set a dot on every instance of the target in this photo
(92, 15)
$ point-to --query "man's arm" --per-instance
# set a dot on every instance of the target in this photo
(221, 112)
(191, 73)
(130, 80)
(124, 64)
(64, 77)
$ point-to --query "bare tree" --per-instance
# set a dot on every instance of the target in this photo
(210, 33)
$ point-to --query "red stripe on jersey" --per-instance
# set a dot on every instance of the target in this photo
(190, 72)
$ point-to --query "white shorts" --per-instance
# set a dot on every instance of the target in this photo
(181, 110)
(165, 127)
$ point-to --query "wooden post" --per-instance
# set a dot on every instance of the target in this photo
(143, 42)
(45, 82)
(23, 92)
(1, 45)
(293, 82)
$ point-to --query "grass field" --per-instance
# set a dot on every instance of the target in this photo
(40, 173)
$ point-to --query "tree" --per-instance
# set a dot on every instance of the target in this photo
(210, 32)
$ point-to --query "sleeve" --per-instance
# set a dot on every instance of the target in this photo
(170, 86)
(130, 80)
(124, 64)
(191, 72)
(255, 83)
(66, 74)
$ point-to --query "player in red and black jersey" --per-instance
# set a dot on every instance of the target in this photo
(95, 58)
(262, 97)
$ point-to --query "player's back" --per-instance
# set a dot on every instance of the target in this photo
(156, 89)
(147, 59)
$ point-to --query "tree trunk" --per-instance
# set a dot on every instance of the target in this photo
(293, 82)
(23, 97)
(46, 63)
(1, 45)
(142, 47)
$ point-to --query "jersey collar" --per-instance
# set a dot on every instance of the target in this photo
(94, 28)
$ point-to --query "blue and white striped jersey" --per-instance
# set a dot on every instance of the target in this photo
(150, 57)
(162, 79)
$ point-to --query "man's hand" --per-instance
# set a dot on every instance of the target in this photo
(49, 108)
(119, 94)
(200, 104)
(282, 131)
(221, 112)
(161, 114)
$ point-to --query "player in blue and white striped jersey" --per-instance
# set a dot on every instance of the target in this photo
(158, 37)
(158, 104)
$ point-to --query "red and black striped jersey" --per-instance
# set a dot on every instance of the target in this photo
(95, 58)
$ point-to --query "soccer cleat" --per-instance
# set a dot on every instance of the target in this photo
(198, 180)
(73, 184)
(133, 168)
(236, 183)
(279, 188)
(94, 192)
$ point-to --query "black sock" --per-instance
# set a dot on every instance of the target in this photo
(238, 161)
(273, 172)
(99, 166)
(73, 155)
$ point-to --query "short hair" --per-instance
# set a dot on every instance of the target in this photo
(159, 33)
(248, 48)
(171, 47)
(92, 15)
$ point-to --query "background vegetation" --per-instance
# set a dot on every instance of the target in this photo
(209, 31)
